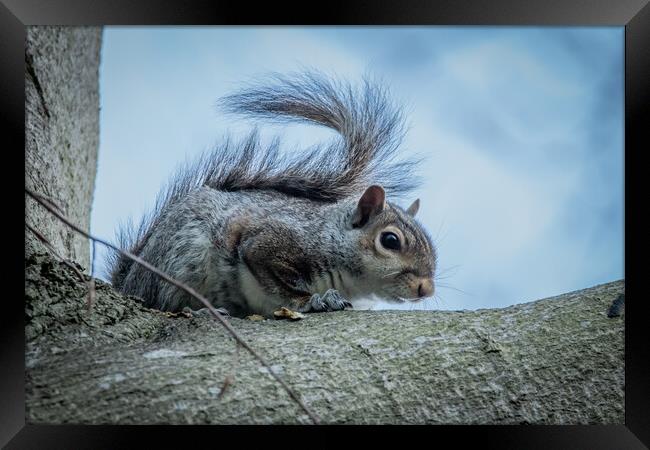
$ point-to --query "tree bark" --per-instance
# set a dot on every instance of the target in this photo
(61, 131)
(553, 361)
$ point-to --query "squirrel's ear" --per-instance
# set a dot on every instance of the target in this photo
(413, 209)
(371, 202)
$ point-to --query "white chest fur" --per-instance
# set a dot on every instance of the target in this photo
(349, 286)
(262, 302)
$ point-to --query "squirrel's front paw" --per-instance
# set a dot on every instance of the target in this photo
(329, 301)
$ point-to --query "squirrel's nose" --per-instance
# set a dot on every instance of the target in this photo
(425, 288)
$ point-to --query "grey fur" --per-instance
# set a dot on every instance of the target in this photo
(245, 221)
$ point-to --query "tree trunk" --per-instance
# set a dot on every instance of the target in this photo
(553, 361)
(61, 131)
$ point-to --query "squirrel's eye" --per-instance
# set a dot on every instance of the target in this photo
(390, 240)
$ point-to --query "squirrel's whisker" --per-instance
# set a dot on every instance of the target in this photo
(445, 286)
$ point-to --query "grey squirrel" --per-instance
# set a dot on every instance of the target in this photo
(253, 230)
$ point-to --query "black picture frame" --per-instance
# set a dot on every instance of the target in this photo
(15, 15)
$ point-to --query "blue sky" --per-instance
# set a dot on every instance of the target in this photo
(521, 127)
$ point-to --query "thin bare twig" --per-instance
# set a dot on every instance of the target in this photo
(186, 289)
(51, 202)
(50, 247)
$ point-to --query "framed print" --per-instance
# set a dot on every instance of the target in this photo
(397, 215)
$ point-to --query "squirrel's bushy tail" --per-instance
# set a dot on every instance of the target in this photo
(370, 125)
(371, 128)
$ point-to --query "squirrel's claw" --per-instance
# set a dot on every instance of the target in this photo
(204, 312)
(329, 301)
